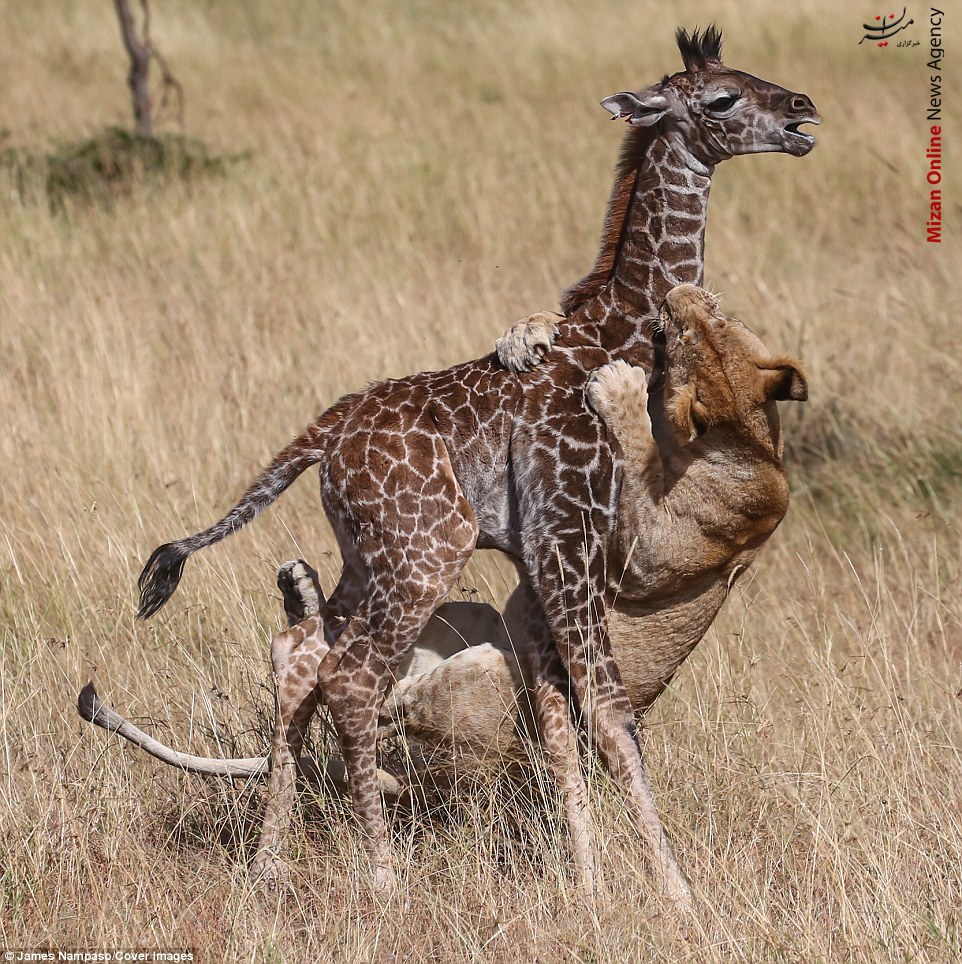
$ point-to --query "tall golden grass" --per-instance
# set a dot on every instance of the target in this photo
(420, 175)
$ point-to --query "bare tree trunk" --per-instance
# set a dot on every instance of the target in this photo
(139, 53)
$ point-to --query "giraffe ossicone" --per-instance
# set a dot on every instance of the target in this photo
(418, 472)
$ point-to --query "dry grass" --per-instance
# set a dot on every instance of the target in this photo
(420, 176)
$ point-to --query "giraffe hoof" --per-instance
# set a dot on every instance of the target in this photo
(524, 345)
(302, 592)
(385, 883)
(675, 890)
(270, 874)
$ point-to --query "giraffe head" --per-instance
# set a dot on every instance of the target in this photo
(715, 112)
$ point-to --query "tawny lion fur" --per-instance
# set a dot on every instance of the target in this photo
(704, 488)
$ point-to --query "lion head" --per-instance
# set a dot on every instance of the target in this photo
(718, 372)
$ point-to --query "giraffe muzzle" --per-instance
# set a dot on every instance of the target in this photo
(795, 142)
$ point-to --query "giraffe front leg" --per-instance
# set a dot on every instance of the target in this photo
(296, 654)
(559, 738)
(524, 345)
(615, 734)
(571, 586)
(617, 741)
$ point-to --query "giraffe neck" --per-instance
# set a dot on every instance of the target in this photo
(660, 244)
(663, 240)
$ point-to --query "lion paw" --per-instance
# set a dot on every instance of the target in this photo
(524, 345)
(302, 591)
(618, 392)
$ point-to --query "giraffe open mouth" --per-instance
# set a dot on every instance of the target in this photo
(799, 142)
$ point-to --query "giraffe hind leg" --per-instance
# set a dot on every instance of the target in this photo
(301, 590)
(296, 654)
(410, 575)
(359, 669)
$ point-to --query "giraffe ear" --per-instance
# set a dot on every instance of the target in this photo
(642, 109)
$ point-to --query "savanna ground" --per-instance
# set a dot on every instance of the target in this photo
(412, 178)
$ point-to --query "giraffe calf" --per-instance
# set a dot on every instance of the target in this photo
(417, 472)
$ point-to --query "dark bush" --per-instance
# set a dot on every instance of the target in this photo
(110, 165)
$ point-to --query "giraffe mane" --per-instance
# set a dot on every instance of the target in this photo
(698, 49)
(633, 150)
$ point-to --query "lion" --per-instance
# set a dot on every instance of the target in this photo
(704, 488)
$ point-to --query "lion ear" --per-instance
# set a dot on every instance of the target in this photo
(689, 414)
(784, 380)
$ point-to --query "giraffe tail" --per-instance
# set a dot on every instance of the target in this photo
(163, 570)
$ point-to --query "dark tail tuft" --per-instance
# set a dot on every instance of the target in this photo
(88, 702)
(160, 577)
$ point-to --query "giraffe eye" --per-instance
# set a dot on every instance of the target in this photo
(720, 104)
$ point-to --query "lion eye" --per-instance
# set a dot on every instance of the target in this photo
(720, 104)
